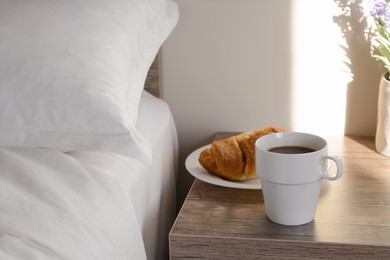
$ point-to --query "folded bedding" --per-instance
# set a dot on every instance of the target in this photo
(79, 212)
(82, 175)
(91, 204)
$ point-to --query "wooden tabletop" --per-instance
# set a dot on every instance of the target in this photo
(352, 218)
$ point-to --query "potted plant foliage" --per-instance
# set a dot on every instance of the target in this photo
(379, 12)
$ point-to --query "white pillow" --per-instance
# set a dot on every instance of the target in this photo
(72, 72)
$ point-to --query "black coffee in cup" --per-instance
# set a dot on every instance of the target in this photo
(291, 149)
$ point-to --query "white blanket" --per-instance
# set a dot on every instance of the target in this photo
(52, 206)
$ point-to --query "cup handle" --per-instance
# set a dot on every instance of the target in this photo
(339, 165)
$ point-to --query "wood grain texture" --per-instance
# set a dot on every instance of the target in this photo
(152, 82)
(352, 219)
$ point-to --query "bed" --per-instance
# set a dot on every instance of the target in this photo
(88, 157)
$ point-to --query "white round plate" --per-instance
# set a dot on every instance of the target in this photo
(196, 170)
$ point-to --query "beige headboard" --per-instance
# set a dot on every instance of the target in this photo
(152, 84)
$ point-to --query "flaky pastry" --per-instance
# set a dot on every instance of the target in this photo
(234, 158)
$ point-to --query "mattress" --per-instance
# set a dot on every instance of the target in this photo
(150, 188)
(91, 204)
(157, 125)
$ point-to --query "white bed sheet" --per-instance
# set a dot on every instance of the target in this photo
(156, 123)
(151, 188)
(53, 206)
(140, 199)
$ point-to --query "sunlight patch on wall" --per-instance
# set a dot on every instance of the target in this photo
(320, 74)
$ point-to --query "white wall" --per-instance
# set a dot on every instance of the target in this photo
(236, 65)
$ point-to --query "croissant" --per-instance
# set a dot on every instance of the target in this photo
(234, 158)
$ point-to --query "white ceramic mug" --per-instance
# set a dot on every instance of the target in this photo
(291, 182)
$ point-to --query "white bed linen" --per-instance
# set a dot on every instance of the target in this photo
(157, 125)
(90, 205)
(54, 207)
(72, 72)
(151, 188)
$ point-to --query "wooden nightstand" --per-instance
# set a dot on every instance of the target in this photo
(352, 219)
